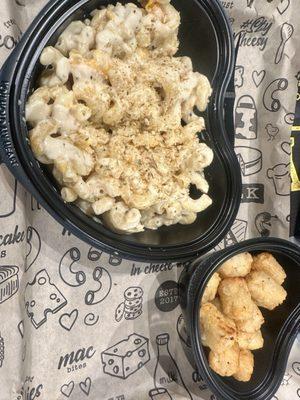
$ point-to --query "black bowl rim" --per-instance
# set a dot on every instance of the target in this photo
(208, 265)
(16, 73)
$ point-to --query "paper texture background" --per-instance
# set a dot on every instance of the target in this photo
(62, 355)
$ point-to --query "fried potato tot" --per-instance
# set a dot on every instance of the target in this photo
(235, 298)
(265, 291)
(246, 366)
(252, 324)
(267, 263)
(250, 341)
(211, 288)
(217, 331)
(237, 266)
(230, 318)
(225, 363)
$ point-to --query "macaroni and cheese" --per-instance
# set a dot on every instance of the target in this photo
(115, 115)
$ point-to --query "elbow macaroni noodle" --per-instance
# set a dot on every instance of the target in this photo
(108, 113)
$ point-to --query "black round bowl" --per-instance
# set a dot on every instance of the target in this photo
(205, 36)
(279, 330)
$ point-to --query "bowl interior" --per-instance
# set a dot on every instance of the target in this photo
(266, 360)
(198, 40)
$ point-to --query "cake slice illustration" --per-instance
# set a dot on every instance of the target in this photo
(9, 282)
(250, 160)
(42, 297)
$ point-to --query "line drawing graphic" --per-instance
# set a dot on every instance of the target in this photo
(33, 241)
(286, 148)
(296, 367)
(182, 332)
(67, 320)
(289, 118)
(246, 118)
(68, 275)
(239, 76)
(115, 260)
(102, 276)
(160, 394)
(249, 3)
(286, 379)
(2, 350)
(250, 160)
(91, 319)
(287, 31)
(279, 175)
(94, 255)
(258, 77)
(197, 378)
(66, 232)
(126, 357)
(36, 292)
(283, 6)
(270, 100)
(263, 223)
(86, 385)
(21, 328)
(167, 374)
(67, 389)
(237, 233)
(132, 307)
(9, 282)
(272, 132)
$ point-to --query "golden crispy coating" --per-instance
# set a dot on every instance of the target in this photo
(252, 324)
(235, 298)
(267, 263)
(211, 288)
(225, 363)
(237, 266)
(250, 341)
(217, 331)
(265, 291)
(217, 303)
(231, 320)
(246, 366)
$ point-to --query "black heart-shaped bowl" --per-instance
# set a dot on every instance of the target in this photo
(205, 36)
(279, 330)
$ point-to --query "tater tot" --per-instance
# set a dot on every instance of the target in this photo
(246, 366)
(237, 266)
(217, 331)
(267, 263)
(231, 320)
(265, 291)
(235, 298)
(225, 363)
(250, 341)
(211, 288)
(252, 324)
